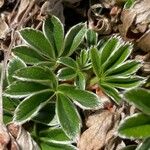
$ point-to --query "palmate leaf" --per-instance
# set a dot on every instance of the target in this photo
(125, 69)
(111, 92)
(54, 135)
(30, 106)
(84, 99)
(68, 116)
(118, 56)
(96, 61)
(69, 62)
(111, 68)
(73, 38)
(14, 64)
(66, 74)
(136, 126)
(28, 55)
(37, 40)
(108, 49)
(47, 115)
(21, 89)
(54, 31)
(140, 98)
(35, 74)
(123, 82)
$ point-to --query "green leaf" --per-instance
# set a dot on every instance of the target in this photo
(80, 81)
(35, 74)
(96, 61)
(37, 40)
(14, 64)
(91, 38)
(117, 57)
(140, 98)
(128, 4)
(68, 61)
(66, 74)
(84, 99)
(127, 68)
(130, 147)
(54, 32)
(51, 65)
(31, 105)
(83, 60)
(9, 104)
(47, 115)
(73, 38)
(7, 117)
(136, 126)
(123, 82)
(111, 92)
(54, 134)
(145, 145)
(21, 89)
(68, 116)
(108, 48)
(56, 146)
(28, 55)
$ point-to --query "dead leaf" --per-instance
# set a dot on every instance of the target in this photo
(101, 129)
(4, 137)
(22, 8)
(98, 22)
(135, 24)
(22, 137)
(4, 28)
(1, 3)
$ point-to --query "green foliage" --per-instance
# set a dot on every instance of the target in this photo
(55, 139)
(111, 68)
(138, 125)
(49, 76)
(36, 81)
(145, 145)
(128, 4)
(130, 147)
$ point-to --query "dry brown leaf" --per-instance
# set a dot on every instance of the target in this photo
(1, 3)
(97, 22)
(22, 8)
(101, 129)
(22, 137)
(4, 137)
(135, 24)
(4, 28)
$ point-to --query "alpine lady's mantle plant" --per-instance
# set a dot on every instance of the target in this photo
(137, 126)
(49, 75)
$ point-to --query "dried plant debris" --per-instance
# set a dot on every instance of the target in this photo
(4, 137)
(101, 131)
(1, 3)
(22, 137)
(135, 23)
(14, 137)
(107, 17)
(4, 28)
